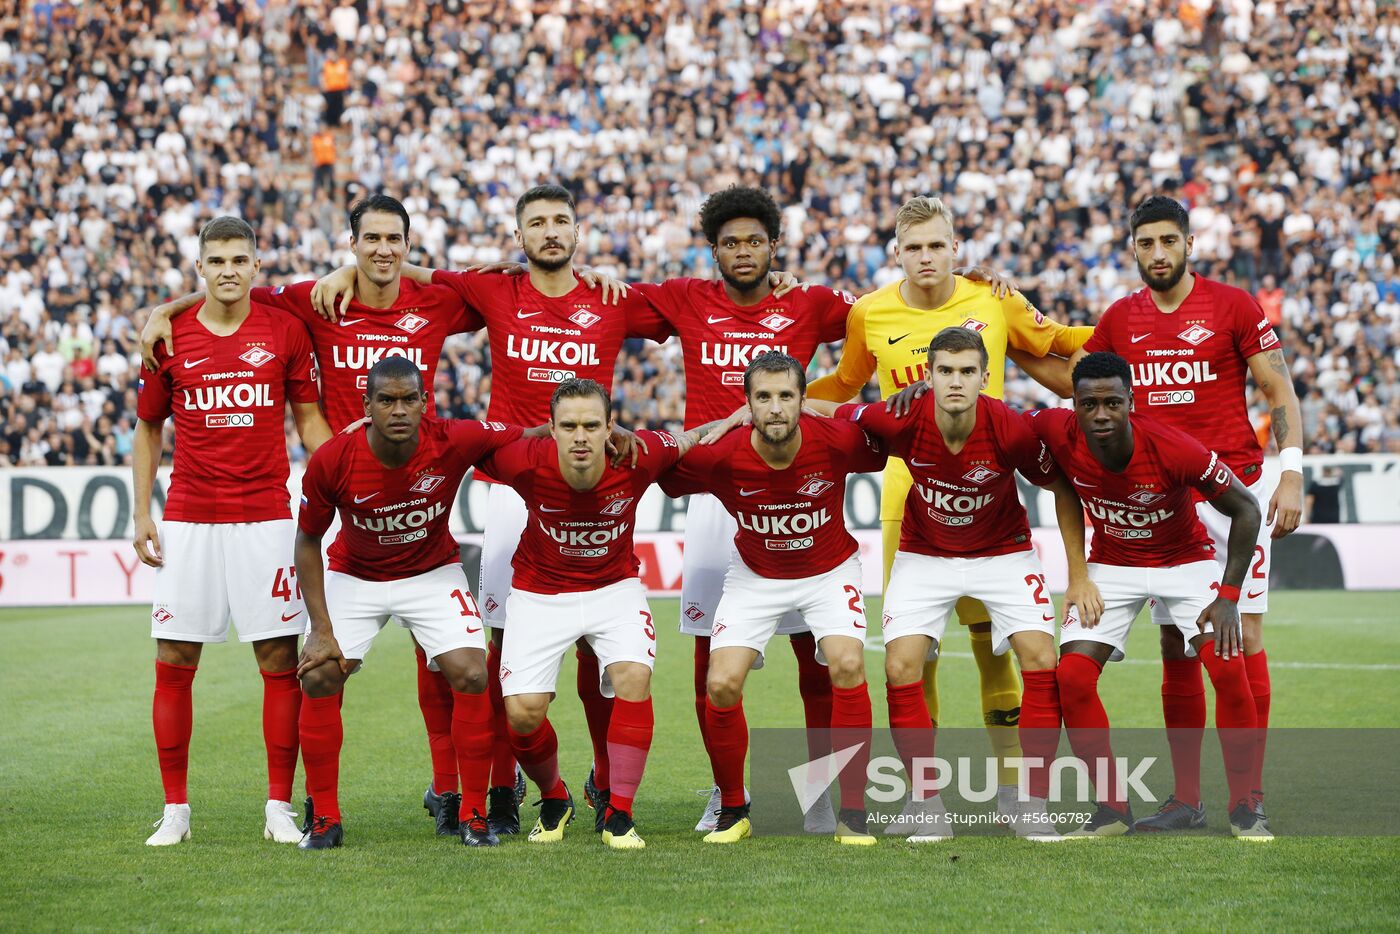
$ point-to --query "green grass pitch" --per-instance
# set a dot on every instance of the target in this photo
(80, 789)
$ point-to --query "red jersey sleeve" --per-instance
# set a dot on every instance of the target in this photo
(1102, 338)
(875, 420)
(474, 441)
(834, 312)
(1197, 467)
(662, 452)
(294, 299)
(1024, 450)
(695, 473)
(864, 452)
(301, 365)
(318, 499)
(643, 319)
(665, 299)
(475, 289)
(1253, 333)
(510, 461)
(153, 398)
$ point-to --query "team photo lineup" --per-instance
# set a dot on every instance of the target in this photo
(764, 458)
(731, 464)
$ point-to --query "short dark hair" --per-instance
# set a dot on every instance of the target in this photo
(739, 201)
(1159, 208)
(956, 339)
(376, 204)
(544, 193)
(775, 361)
(1102, 365)
(227, 227)
(395, 367)
(575, 388)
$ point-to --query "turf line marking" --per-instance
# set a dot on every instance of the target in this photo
(1326, 666)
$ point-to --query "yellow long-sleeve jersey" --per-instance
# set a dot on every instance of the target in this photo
(886, 335)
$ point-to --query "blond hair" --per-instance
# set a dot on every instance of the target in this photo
(918, 210)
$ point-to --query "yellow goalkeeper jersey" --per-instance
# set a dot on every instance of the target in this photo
(886, 335)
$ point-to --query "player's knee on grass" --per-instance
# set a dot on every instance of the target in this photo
(1173, 644)
(631, 681)
(845, 661)
(526, 712)
(904, 659)
(172, 652)
(1035, 651)
(277, 654)
(323, 680)
(1252, 625)
(464, 669)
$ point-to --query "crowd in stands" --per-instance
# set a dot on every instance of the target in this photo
(124, 125)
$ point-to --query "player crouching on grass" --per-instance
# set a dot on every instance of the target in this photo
(965, 534)
(393, 483)
(1137, 477)
(784, 481)
(227, 528)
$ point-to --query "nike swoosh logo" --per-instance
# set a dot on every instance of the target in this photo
(522, 314)
(860, 625)
(547, 509)
(361, 499)
(1255, 596)
(190, 363)
(922, 463)
(1048, 619)
(896, 340)
(346, 322)
(471, 630)
(714, 320)
(288, 619)
(1141, 337)
(1079, 482)
(752, 492)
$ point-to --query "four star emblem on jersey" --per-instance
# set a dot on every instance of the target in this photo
(775, 321)
(410, 323)
(426, 483)
(1196, 335)
(256, 356)
(585, 318)
(815, 487)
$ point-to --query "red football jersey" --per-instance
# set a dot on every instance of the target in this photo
(229, 396)
(394, 522)
(415, 327)
(1146, 515)
(720, 338)
(1189, 366)
(538, 342)
(792, 522)
(961, 505)
(577, 539)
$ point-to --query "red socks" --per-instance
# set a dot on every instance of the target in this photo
(701, 674)
(1039, 728)
(322, 735)
(472, 738)
(172, 716)
(912, 731)
(629, 741)
(814, 685)
(281, 708)
(1256, 666)
(1234, 718)
(1184, 711)
(597, 710)
(729, 747)
(502, 755)
(538, 753)
(1086, 722)
(435, 700)
(850, 724)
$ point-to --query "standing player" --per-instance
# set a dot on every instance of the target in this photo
(227, 528)
(393, 485)
(784, 481)
(576, 579)
(965, 534)
(389, 316)
(1189, 341)
(889, 331)
(1136, 477)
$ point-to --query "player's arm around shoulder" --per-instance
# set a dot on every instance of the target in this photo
(856, 365)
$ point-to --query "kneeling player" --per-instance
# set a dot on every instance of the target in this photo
(1136, 476)
(576, 578)
(394, 483)
(784, 481)
(965, 534)
(227, 530)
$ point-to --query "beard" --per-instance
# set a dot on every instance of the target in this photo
(766, 432)
(759, 274)
(552, 264)
(1162, 283)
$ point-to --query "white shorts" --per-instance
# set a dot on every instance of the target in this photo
(505, 523)
(437, 607)
(924, 590)
(831, 604)
(708, 552)
(614, 619)
(1254, 594)
(217, 571)
(1182, 592)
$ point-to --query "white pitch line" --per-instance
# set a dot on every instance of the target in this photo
(1329, 666)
